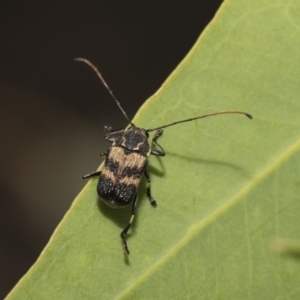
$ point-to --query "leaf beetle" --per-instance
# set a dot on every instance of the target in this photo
(127, 157)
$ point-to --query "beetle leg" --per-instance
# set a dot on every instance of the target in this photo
(124, 231)
(110, 138)
(160, 152)
(110, 129)
(152, 201)
(93, 174)
(96, 173)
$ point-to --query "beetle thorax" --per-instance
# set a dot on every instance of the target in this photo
(134, 139)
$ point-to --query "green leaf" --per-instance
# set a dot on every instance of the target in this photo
(226, 189)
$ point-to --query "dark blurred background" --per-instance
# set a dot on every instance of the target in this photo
(53, 109)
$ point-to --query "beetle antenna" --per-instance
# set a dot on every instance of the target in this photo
(84, 60)
(203, 116)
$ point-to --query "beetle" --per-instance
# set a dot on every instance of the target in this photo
(126, 160)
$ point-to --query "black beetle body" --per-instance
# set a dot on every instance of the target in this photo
(125, 163)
